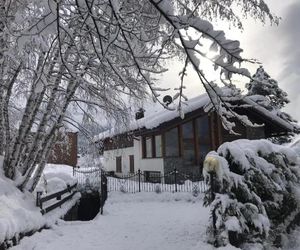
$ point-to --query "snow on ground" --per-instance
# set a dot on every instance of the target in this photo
(144, 221)
(56, 177)
(18, 212)
(141, 221)
(58, 168)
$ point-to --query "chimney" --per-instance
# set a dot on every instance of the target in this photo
(139, 114)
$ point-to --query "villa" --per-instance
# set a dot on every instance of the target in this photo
(158, 140)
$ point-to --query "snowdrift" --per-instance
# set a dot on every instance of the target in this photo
(18, 213)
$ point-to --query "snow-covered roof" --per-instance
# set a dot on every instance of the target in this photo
(271, 115)
(155, 115)
(295, 142)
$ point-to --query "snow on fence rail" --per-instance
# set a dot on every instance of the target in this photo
(58, 195)
(173, 181)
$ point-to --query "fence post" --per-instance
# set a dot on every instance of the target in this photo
(139, 174)
(103, 195)
(101, 192)
(38, 199)
(175, 179)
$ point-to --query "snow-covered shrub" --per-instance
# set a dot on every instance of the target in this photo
(157, 188)
(256, 193)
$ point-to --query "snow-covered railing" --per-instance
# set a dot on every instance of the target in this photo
(174, 181)
(58, 195)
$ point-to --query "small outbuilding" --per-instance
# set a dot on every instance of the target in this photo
(64, 150)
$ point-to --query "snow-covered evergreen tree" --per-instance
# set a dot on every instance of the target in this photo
(262, 84)
(257, 197)
(266, 92)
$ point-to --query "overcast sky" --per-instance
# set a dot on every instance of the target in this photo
(276, 47)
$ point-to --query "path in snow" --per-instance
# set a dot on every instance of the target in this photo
(131, 222)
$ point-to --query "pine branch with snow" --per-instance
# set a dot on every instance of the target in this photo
(263, 85)
(256, 199)
(265, 91)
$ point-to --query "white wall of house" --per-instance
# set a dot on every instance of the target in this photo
(110, 159)
(150, 164)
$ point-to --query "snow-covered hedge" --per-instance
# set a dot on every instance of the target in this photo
(257, 198)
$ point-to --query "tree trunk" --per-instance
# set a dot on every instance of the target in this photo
(27, 121)
(2, 50)
(7, 170)
(32, 153)
(47, 142)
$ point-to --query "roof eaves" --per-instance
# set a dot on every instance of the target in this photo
(274, 118)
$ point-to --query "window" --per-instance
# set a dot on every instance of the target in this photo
(148, 145)
(152, 146)
(172, 142)
(152, 176)
(119, 164)
(158, 146)
(203, 137)
(131, 163)
(188, 141)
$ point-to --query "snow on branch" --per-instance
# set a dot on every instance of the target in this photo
(256, 181)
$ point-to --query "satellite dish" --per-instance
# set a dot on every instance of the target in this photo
(167, 100)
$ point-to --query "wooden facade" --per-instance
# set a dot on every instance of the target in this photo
(64, 150)
(119, 141)
(184, 143)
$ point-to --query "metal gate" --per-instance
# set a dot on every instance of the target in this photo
(88, 178)
(173, 181)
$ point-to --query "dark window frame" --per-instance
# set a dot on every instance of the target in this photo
(153, 146)
(196, 139)
(194, 134)
(204, 139)
(119, 164)
(131, 164)
(153, 179)
(178, 127)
